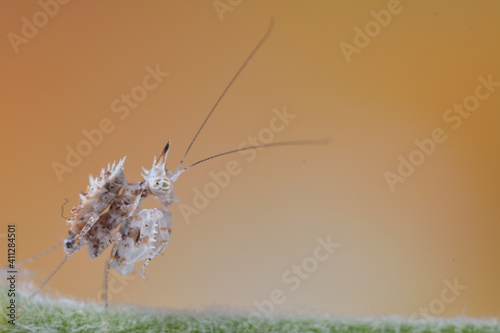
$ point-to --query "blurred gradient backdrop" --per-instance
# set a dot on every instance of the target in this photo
(398, 245)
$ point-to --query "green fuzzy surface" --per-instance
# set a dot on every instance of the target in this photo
(46, 314)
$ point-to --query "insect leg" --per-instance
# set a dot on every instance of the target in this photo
(72, 242)
(44, 252)
(90, 223)
(163, 228)
(36, 256)
(157, 252)
(46, 281)
(135, 205)
(116, 239)
(87, 227)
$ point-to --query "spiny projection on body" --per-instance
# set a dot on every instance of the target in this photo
(112, 203)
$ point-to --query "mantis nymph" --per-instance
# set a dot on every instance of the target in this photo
(110, 213)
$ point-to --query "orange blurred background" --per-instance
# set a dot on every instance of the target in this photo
(396, 247)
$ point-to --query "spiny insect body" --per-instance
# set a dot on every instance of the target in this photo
(142, 233)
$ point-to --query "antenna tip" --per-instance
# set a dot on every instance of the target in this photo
(271, 26)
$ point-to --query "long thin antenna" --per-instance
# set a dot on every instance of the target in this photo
(274, 144)
(271, 24)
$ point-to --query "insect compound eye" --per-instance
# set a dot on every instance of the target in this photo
(160, 184)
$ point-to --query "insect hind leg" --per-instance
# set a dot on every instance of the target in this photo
(44, 252)
(45, 282)
(69, 253)
(35, 257)
(114, 239)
